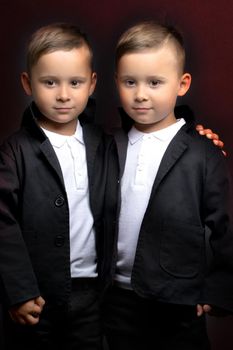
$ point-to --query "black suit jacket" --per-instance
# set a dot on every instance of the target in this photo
(34, 214)
(190, 197)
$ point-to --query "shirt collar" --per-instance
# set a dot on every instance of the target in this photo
(135, 135)
(78, 135)
(58, 140)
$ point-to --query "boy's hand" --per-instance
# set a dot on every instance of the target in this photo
(28, 312)
(210, 135)
(203, 309)
(211, 310)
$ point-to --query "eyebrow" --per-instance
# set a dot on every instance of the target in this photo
(53, 77)
(156, 77)
(150, 77)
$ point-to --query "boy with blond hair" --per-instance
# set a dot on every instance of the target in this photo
(52, 182)
(175, 204)
(53, 251)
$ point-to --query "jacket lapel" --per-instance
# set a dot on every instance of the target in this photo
(49, 153)
(121, 139)
(174, 152)
(92, 136)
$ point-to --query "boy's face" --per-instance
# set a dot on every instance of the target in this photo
(61, 83)
(148, 83)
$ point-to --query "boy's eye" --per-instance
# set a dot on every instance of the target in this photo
(75, 82)
(50, 82)
(129, 82)
(155, 83)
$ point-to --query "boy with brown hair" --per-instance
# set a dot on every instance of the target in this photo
(175, 204)
(52, 182)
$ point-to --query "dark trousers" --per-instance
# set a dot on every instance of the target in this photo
(74, 326)
(135, 323)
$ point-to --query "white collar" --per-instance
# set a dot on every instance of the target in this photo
(58, 140)
(135, 135)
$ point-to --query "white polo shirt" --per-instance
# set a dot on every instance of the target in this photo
(71, 153)
(144, 154)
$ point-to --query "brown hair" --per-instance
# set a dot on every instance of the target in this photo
(53, 37)
(149, 35)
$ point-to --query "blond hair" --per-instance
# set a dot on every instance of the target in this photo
(54, 37)
(150, 35)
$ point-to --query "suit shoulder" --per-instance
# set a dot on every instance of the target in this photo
(16, 141)
(205, 143)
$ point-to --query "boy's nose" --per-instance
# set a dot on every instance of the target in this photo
(63, 94)
(140, 94)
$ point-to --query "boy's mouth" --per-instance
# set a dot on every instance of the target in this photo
(141, 109)
(63, 109)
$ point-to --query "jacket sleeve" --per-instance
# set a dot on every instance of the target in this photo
(18, 282)
(217, 199)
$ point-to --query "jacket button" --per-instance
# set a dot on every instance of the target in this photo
(59, 240)
(59, 201)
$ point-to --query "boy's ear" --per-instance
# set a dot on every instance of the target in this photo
(25, 80)
(185, 82)
(93, 83)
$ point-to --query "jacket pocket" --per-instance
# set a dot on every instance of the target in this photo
(181, 251)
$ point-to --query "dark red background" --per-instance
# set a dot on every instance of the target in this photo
(208, 32)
